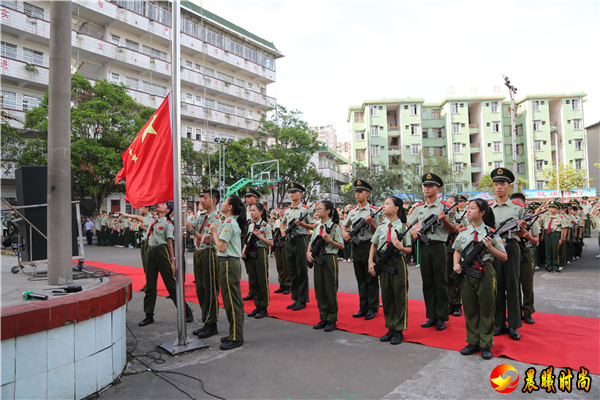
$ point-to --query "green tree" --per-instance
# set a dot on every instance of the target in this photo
(104, 122)
(570, 178)
(487, 185)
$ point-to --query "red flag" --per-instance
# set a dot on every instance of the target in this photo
(148, 162)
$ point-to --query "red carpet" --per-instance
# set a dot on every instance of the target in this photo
(554, 340)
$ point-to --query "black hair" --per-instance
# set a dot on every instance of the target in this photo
(261, 209)
(282, 204)
(214, 193)
(334, 215)
(170, 207)
(453, 197)
(574, 208)
(488, 217)
(237, 208)
(518, 196)
(400, 204)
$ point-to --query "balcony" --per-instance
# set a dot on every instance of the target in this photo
(23, 71)
(553, 123)
(473, 129)
(393, 129)
(394, 148)
(475, 167)
(475, 148)
(339, 177)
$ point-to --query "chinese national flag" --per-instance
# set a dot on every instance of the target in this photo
(148, 162)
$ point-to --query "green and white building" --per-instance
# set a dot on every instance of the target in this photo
(473, 132)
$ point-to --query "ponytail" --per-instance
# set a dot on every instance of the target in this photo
(401, 211)
(261, 209)
(488, 217)
(333, 215)
(237, 208)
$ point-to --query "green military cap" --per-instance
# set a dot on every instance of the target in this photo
(295, 187)
(432, 179)
(360, 184)
(502, 174)
(574, 201)
(554, 204)
(584, 198)
(532, 207)
(249, 192)
(462, 197)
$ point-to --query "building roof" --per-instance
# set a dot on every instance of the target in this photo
(550, 96)
(222, 21)
(334, 153)
(384, 101)
(593, 125)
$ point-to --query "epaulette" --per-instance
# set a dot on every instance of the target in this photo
(305, 206)
(352, 208)
(420, 204)
(444, 203)
(287, 207)
(229, 220)
(517, 203)
(169, 221)
(376, 208)
(492, 229)
(460, 230)
(490, 202)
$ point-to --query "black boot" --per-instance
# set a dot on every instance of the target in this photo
(280, 290)
(209, 330)
(189, 317)
(148, 320)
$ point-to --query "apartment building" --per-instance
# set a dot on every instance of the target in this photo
(327, 135)
(225, 69)
(593, 150)
(473, 132)
(345, 149)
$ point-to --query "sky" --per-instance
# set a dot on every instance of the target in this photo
(338, 54)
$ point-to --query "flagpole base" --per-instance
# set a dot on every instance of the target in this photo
(174, 349)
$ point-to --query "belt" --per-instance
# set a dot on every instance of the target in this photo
(299, 236)
(432, 242)
(228, 258)
(196, 251)
(159, 247)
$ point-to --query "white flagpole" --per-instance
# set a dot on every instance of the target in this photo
(183, 343)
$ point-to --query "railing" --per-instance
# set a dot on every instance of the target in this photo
(19, 7)
(475, 145)
(393, 128)
(394, 147)
(27, 59)
(553, 123)
(473, 126)
(476, 165)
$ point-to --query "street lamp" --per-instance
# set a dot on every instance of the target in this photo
(512, 91)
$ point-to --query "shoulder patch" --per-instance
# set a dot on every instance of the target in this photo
(490, 202)
(465, 228)
(170, 222)
(352, 208)
(420, 204)
(305, 206)
(376, 208)
(287, 207)
(518, 203)
(444, 203)
(491, 229)
(229, 220)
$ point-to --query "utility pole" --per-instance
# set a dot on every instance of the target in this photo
(60, 253)
(512, 91)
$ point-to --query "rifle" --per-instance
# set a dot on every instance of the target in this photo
(452, 236)
(291, 229)
(360, 225)
(278, 239)
(318, 247)
(251, 240)
(430, 223)
(389, 252)
(474, 255)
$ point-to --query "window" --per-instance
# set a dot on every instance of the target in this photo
(423, 114)
(520, 168)
(131, 45)
(33, 56)
(198, 134)
(198, 67)
(537, 125)
(497, 164)
(154, 53)
(132, 83)
(359, 117)
(537, 145)
(455, 127)
(417, 168)
(373, 111)
(577, 124)
(458, 167)
(359, 135)
(456, 147)
(497, 146)
(198, 101)
(210, 103)
(189, 64)
(9, 100)
(225, 77)
(454, 108)
(437, 133)
(188, 132)
(30, 102)
(240, 111)
(535, 106)
(374, 130)
(539, 185)
(438, 151)
(376, 169)
(539, 164)
(424, 133)
(519, 129)
(494, 106)
(575, 104)
(209, 72)
(33, 11)
(114, 77)
(360, 154)
(413, 109)
(435, 114)
(578, 163)
(10, 4)
(249, 85)
(375, 151)
(240, 82)
(9, 50)
(577, 143)
(154, 89)
(495, 126)
(415, 149)
(414, 129)
(115, 39)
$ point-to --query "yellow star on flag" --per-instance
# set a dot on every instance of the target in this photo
(134, 158)
(149, 129)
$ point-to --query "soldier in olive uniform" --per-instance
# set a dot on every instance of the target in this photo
(251, 196)
(433, 255)
(295, 248)
(586, 208)
(368, 285)
(507, 272)
(457, 217)
(279, 251)
(161, 259)
(147, 220)
(552, 228)
(479, 293)
(527, 264)
(97, 230)
(104, 229)
(205, 262)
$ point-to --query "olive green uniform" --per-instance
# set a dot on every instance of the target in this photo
(587, 209)
(159, 261)
(280, 260)
(552, 227)
(368, 285)
(206, 274)
(433, 261)
(230, 274)
(147, 222)
(479, 295)
(295, 251)
(461, 221)
(258, 267)
(526, 272)
(103, 230)
(97, 229)
(394, 287)
(327, 274)
(507, 272)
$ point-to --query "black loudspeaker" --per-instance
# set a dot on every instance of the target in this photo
(32, 189)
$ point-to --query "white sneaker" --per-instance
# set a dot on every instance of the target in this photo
(537, 267)
(560, 268)
(568, 262)
(598, 256)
